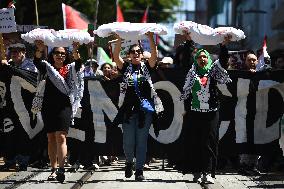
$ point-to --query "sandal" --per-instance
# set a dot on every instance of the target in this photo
(52, 176)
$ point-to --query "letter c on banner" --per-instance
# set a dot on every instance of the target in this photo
(172, 133)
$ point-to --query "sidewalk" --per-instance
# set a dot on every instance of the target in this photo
(3, 175)
(113, 177)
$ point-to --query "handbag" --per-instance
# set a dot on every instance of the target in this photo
(38, 98)
(145, 104)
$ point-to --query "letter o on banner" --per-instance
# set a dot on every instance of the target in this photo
(172, 133)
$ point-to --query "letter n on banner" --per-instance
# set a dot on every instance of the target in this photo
(100, 104)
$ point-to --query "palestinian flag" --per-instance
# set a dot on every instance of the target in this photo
(73, 19)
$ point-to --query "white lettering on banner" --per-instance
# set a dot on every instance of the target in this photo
(223, 88)
(8, 125)
(224, 125)
(100, 104)
(7, 21)
(241, 110)
(2, 94)
(172, 133)
(17, 83)
(77, 133)
(262, 133)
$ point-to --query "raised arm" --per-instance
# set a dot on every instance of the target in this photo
(76, 55)
(39, 53)
(153, 59)
(116, 54)
(184, 52)
(223, 54)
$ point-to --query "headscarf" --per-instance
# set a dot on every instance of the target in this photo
(205, 69)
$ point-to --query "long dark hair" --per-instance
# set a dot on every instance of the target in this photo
(67, 56)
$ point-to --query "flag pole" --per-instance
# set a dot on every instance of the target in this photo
(2, 48)
(36, 12)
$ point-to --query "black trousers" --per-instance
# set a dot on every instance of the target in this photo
(200, 141)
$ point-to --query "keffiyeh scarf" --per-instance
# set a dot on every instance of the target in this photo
(123, 87)
(212, 70)
(72, 86)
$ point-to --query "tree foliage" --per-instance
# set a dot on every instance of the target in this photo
(50, 11)
(159, 10)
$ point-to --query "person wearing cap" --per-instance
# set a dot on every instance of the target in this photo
(91, 68)
(17, 52)
(18, 59)
(166, 62)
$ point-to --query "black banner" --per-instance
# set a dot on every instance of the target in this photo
(250, 111)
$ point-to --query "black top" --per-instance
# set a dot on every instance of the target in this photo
(131, 100)
(53, 98)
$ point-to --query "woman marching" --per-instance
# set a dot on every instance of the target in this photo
(202, 116)
(62, 93)
(135, 92)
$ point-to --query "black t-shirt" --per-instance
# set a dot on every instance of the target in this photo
(131, 100)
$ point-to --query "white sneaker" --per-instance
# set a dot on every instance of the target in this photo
(197, 177)
(207, 179)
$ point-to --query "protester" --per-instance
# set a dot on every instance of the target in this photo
(91, 68)
(249, 162)
(166, 62)
(114, 72)
(184, 54)
(58, 107)
(136, 85)
(202, 115)
(18, 59)
(17, 53)
(107, 70)
(279, 63)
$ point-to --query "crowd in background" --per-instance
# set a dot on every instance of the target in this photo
(247, 164)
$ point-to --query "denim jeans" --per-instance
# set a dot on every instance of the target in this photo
(135, 138)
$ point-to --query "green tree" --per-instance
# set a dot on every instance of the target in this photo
(159, 10)
(50, 11)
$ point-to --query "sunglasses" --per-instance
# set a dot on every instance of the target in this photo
(138, 51)
(57, 53)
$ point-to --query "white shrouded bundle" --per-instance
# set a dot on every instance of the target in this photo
(205, 35)
(61, 38)
(132, 31)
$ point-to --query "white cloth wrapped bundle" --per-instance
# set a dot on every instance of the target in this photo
(205, 35)
(45, 35)
(61, 38)
(131, 31)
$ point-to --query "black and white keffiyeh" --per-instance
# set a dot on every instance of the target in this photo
(123, 87)
(73, 86)
(216, 72)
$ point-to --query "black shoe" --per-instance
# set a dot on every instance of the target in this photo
(139, 175)
(128, 170)
(60, 175)
(23, 168)
(7, 166)
(74, 167)
(254, 171)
